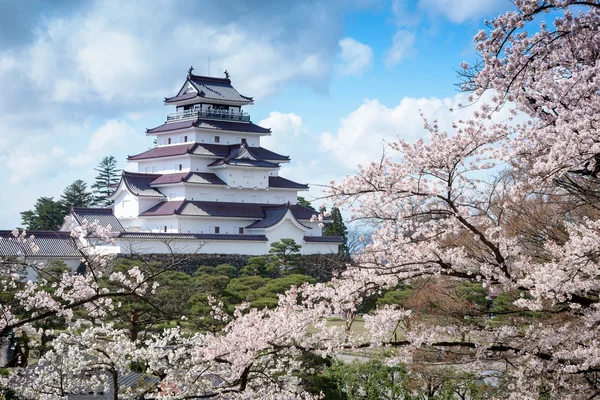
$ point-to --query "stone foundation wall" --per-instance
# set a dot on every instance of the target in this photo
(319, 266)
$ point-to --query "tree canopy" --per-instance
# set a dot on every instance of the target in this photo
(108, 175)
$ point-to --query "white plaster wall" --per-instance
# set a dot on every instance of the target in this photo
(177, 137)
(157, 224)
(206, 136)
(176, 224)
(316, 229)
(126, 205)
(164, 165)
(193, 246)
(245, 178)
(173, 192)
(271, 196)
(319, 248)
(285, 230)
(206, 225)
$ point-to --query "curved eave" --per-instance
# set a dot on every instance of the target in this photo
(123, 182)
(212, 130)
(287, 216)
(200, 217)
(288, 189)
(243, 167)
(203, 99)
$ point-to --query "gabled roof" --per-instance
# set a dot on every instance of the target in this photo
(211, 88)
(201, 178)
(242, 156)
(196, 236)
(104, 216)
(273, 216)
(216, 125)
(51, 244)
(236, 150)
(139, 184)
(279, 182)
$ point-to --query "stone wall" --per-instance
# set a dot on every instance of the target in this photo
(319, 266)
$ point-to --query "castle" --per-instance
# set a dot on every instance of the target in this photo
(207, 186)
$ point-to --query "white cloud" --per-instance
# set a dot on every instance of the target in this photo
(459, 12)
(284, 127)
(111, 136)
(26, 162)
(355, 57)
(402, 46)
(362, 134)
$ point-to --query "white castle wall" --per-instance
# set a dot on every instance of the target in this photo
(164, 165)
(216, 247)
(206, 136)
(192, 246)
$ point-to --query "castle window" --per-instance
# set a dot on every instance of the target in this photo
(180, 167)
(217, 139)
(169, 141)
(185, 138)
(165, 228)
(241, 231)
(217, 229)
(244, 141)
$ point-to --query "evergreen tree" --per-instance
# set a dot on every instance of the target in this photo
(76, 195)
(47, 214)
(108, 174)
(303, 202)
(285, 254)
(337, 228)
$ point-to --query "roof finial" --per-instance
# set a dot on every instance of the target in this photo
(190, 71)
(226, 74)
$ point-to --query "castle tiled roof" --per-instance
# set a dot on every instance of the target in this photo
(104, 216)
(242, 155)
(273, 215)
(203, 123)
(210, 150)
(202, 178)
(233, 150)
(244, 162)
(164, 208)
(211, 88)
(196, 236)
(223, 209)
(279, 182)
(139, 184)
(323, 239)
(51, 244)
(164, 151)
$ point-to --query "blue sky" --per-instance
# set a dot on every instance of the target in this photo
(332, 79)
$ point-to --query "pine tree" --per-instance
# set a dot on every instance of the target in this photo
(76, 195)
(285, 254)
(47, 214)
(337, 228)
(108, 174)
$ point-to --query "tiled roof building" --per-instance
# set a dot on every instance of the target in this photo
(208, 182)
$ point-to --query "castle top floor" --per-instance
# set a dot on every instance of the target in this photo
(208, 97)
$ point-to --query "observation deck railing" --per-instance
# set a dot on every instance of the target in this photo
(211, 114)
